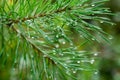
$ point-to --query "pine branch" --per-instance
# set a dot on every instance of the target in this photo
(55, 30)
(10, 21)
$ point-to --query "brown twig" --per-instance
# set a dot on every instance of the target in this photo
(39, 15)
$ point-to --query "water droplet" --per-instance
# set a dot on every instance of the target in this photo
(73, 57)
(74, 71)
(33, 37)
(44, 55)
(81, 36)
(96, 72)
(46, 36)
(57, 36)
(56, 63)
(57, 45)
(66, 67)
(95, 54)
(71, 44)
(92, 61)
(63, 42)
(110, 37)
(78, 61)
(61, 54)
(92, 5)
(54, 53)
(67, 72)
(93, 39)
(62, 34)
(101, 22)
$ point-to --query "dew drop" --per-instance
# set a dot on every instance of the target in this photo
(44, 55)
(110, 37)
(74, 71)
(101, 21)
(73, 57)
(56, 63)
(71, 44)
(92, 61)
(63, 42)
(92, 5)
(96, 72)
(81, 36)
(93, 39)
(57, 36)
(46, 36)
(95, 54)
(66, 67)
(33, 37)
(65, 64)
(57, 45)
(61, 54)
(62, 34)
(78, 61)
(67, 72)
(54, 53)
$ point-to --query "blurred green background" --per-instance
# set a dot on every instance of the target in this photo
(109, 66)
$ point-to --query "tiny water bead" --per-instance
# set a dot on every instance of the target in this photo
(95, 54)
(71, 44)
(61, 54)
(96, 72)
(78, 61)
(101, 22)
(57, 36)
(74, 71)
(63, 42)
(44, 55)
(54, 53)
(92, 5)
(92, 61)
(93, 39)
(73, 57)
(33, 37)
(57, 45)
(110, 37)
